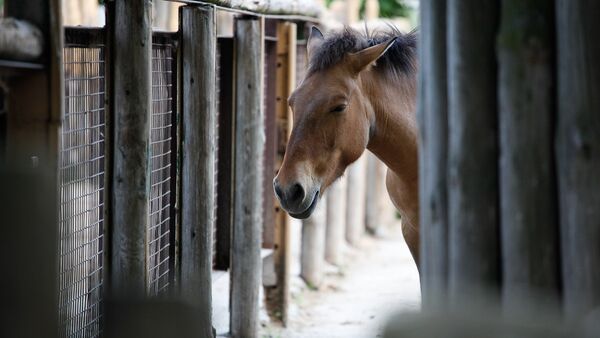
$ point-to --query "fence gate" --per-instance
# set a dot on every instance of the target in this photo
(82, 185)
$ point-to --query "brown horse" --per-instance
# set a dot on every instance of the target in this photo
(359, 93)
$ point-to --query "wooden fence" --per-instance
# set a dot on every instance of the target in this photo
(162, 148)
(150, 128)
(509, 153)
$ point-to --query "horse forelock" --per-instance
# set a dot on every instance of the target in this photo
(400, 58)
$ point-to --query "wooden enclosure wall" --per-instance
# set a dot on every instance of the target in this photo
(510, 166)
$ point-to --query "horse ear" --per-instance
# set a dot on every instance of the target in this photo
(359, 61)
(314, 40)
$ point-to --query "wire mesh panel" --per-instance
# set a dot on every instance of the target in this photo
(162, 155)
(82, 175)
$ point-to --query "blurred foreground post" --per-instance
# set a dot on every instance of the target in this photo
(578, 152)
(529, 226)
(472, 154)
(29, 252)
(433, 125)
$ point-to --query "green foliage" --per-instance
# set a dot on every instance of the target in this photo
(387, 8)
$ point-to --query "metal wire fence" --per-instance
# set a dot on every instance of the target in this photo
(162, 154)
(82, 172)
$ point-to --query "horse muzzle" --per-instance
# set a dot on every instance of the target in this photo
(294, 198)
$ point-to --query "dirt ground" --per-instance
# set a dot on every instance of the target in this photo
(378, 278)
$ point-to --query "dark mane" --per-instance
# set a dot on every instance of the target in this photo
(401, 57)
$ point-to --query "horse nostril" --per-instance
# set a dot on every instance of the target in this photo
(278, 190)
(296, 193)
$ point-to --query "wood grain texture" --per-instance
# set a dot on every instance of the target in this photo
(198, 46)
(472, 154)
(432, 116)
(279, 296)
(131, 182)
(246, 264)
(578, 152)
(528, 213)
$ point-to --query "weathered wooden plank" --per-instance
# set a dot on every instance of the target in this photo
(246, 265)
(286, 80)
(132, 43)
(529, 227)
(336, 221)
(472, 153)
(578, 152)
(199, 109)
(433, 125)
(312, 250)
(356, 200)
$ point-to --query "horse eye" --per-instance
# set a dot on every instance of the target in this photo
(339, 109)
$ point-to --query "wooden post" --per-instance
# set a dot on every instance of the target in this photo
(198, 47)
(336, 221)
(472, 154)
(132, 43)
(312, 254)
(355, 207)
(375, 194)
(529, 228)
(578, 152)
(433, 125)
(286, 82)
(246, 266)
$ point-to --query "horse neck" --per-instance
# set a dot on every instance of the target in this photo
(393, 127)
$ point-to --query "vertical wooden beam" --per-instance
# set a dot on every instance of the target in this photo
(246, 265)
(529, 226)
(432, 117)
(578, 152)
(336, 221)
(312, 251)
(356, 202)
(198, 47)
(132, 43)
(286, 82)
(472, 155)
